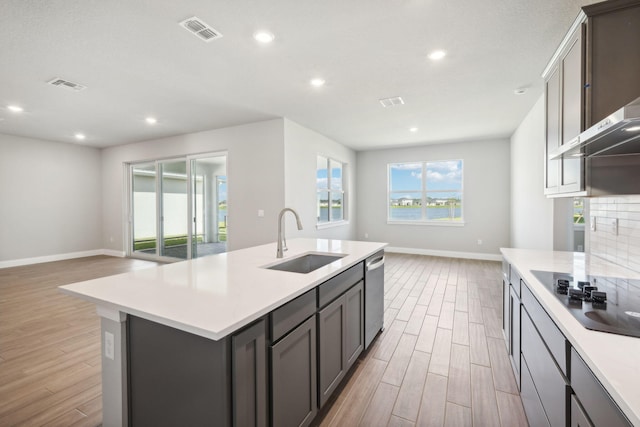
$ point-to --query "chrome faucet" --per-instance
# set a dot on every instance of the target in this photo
(281, 228)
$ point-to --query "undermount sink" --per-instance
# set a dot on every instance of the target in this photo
(305, 263)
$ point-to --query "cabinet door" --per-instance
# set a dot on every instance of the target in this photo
(571, 170)
(249, 378)
(613, 66)
(515, 333)
(578, 417)
(531, 401)
(506, 313)
(331, 340)
(552, 92)
(549, 382)
(354, 304)
(293, 377)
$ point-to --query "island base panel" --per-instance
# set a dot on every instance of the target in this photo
(176, 378)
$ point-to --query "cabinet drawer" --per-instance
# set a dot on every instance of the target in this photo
(547, 329)
(549, 382)
(531, 401)
(336, 286)
(290, 315)
(515, 281)
(505, 270)
(594, 398)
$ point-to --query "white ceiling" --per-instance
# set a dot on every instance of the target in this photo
(137, 61)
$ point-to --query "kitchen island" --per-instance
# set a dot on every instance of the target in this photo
(215, 335)
(592, 368)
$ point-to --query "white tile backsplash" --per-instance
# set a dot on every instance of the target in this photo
(622, 248)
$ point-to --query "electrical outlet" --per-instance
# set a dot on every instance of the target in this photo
(366, 235)
(260, 213)
(109, 345)
(479, 241)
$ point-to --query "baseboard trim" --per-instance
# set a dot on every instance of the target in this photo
(447, 254)
(59, 257)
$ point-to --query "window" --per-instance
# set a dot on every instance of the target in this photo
(329, 191)
(425, 192)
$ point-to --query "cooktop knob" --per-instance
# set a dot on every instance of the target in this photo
(598, 297)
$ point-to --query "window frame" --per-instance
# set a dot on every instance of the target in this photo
(422, 194)
(328, 189)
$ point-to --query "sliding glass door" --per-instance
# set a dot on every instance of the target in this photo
(178, 207)
(209, 206)
(143, 208)
(174, 217)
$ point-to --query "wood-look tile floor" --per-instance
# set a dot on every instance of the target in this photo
(440, 361)
(50, 343)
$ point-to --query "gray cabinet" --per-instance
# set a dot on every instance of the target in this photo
(564, 94)
(531, 400)
(548, 381)
(511, 316)
(612, 67)
(354, 323)
(176, 378)
(600, 409)
(592, 74)
(544, 352)
(340, 339)
(249, 376)
(515, 339)
(293, 377)
(579, 417)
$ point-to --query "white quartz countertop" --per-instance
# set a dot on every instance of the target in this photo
(216, 295)
(614, 359)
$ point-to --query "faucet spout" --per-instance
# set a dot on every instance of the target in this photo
(281, 228)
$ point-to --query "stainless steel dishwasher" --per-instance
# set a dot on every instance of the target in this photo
(373, 297)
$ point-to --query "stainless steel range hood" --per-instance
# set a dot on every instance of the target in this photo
(618, 134)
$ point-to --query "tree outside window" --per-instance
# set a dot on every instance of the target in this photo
(425, 192)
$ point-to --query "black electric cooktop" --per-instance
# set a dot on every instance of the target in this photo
(599, 303)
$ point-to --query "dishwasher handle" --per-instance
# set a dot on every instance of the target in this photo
(375, 263)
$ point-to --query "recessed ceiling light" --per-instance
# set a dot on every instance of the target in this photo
(633, 129)
(317, 82)
(80, 136)
(15, 108)
(414, 129)
(264, 37)
(520, 91)
(151, 120)
(436, 55)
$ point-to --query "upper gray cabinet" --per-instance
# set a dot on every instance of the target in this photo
(564, 94)
(613, 57)
(593, 73)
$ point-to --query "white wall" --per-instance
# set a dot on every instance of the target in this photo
(255, 171)
(531, 211)
(537, 222)
(486, 199)
(302, 147)
(50, 200)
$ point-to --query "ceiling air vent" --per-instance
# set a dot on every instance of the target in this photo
(200, 29)
(391, 102)
(66, 84)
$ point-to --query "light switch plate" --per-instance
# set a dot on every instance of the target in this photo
(593, 223)
(614, 226)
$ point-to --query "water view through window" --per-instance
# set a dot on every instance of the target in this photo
(425, 191)
(329, 190)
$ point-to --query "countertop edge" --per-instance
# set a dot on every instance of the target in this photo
(234, 326)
